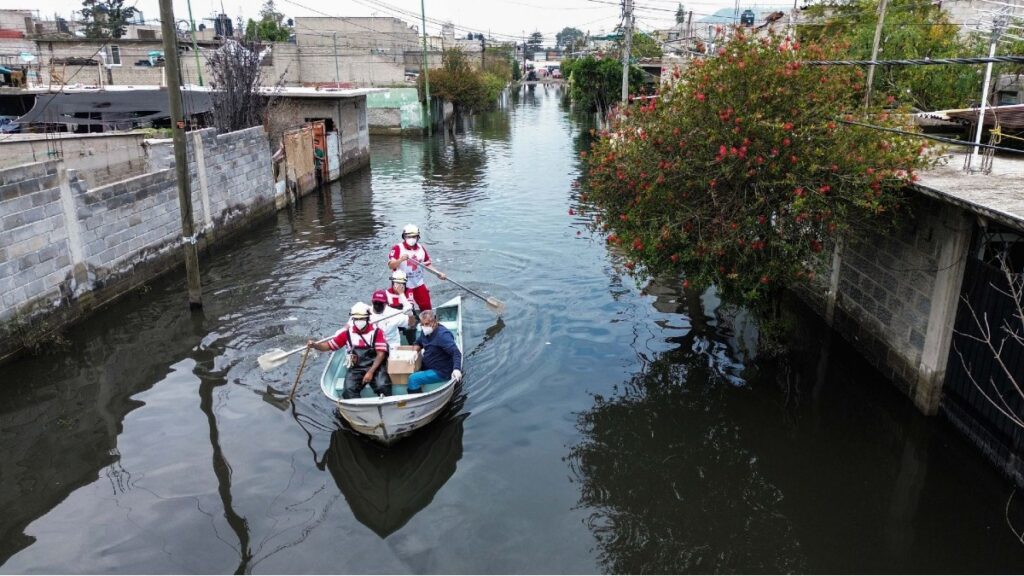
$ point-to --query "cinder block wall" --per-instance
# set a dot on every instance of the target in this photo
(66, 248)
(895, 295)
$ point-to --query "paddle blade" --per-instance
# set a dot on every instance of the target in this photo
(272, 359)
(497, 305)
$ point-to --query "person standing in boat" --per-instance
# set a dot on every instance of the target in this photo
(368, 351)
(410, 257)
(389, 320)
(401, 298)
(442, 359)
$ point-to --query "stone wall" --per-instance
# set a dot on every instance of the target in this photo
(66, 248)
(99, 158)
(894, 295)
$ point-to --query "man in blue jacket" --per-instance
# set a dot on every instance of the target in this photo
(442, 359)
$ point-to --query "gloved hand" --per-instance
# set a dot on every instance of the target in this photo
(457, 375)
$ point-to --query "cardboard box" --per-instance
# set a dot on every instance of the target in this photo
(403, 361)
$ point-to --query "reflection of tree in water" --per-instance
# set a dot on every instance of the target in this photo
(667, 469)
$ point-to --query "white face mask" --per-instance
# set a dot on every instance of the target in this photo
(411, 241)
(398, 288)
(360, 324)
(428, 330)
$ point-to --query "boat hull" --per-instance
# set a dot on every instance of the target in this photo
(391, 418)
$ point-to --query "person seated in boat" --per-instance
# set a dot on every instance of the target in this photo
(389, 320)
(368, 352)
(411, 257)
(442, 359)
(401, 298)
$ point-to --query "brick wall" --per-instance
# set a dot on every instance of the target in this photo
(66, 247)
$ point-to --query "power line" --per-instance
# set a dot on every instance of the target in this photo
(953, 141)
(917, 62)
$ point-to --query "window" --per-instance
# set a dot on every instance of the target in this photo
(113, 55)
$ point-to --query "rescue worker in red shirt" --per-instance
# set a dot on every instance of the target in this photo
(401, 298)
(411, 257)
(368, 351)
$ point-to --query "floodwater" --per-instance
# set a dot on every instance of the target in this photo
(601, 428)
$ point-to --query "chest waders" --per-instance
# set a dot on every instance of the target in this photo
(363, 359)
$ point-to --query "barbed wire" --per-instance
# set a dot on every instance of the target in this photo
(917, 61)
(953, 141)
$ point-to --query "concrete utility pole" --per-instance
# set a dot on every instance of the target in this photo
(874, 52)
(171, 71)
(627, 48)
(195, 46)
(337, 75)
(426, 65)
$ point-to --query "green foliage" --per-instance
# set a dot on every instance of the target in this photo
(468, 89)
(265, 31)
(106, 18)
(597, 84)
(536, 42)
(912, 29)
(569, 38)
(740, 174)
(269, 28)
(644, 46)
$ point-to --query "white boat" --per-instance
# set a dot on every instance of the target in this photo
(392, 417)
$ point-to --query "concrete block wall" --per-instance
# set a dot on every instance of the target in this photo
(99, 158)
(894, 295)
(34, 253)
(67, 248)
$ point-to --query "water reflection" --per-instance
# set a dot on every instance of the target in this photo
(671, 479)
(386, 487)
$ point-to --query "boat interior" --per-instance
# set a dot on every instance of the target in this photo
(446, 315)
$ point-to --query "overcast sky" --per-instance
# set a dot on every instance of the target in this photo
(502, 18)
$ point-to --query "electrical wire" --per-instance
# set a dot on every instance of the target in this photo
(917, 61)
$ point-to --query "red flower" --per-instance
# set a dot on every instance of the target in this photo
(638, 244)
(764, 279)
(786, 142)
(674, 258)
(630, 265)
(700, 97)
(787, 126)
(572, 212)
(824, 189)
(686, 284)
(624, 217)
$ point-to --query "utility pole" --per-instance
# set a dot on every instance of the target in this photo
(195, 47)
(999, 22)
(626, 50)
(337, 75)
(689, 30)
(426, 65)
(874, 52)
(171, 71)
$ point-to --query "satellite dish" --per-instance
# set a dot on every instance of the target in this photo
(27, 56)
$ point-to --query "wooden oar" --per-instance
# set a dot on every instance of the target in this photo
(497, 306)
(276, 357)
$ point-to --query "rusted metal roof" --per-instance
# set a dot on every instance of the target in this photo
(1010, 117)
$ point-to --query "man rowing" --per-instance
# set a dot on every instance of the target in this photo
(368, 351)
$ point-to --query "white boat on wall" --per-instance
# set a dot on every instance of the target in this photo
(392, 417)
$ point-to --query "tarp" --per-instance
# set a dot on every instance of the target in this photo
(110, 107)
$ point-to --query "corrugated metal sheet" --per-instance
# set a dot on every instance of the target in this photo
(1010, 117)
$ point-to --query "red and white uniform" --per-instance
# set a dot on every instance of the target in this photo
(349, 336)
(413, 271)
(400, 301)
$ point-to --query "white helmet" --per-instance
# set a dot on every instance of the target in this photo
(361, 310)
(399, 276)
(410, 230)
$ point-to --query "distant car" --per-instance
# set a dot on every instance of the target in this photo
(556, 73)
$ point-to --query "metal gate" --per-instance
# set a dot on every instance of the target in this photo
(973, 370)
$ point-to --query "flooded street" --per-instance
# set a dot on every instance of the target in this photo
(601, 428)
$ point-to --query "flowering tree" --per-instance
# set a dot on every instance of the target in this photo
(744, 170)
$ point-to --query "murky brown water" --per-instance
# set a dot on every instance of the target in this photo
(600, 429)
